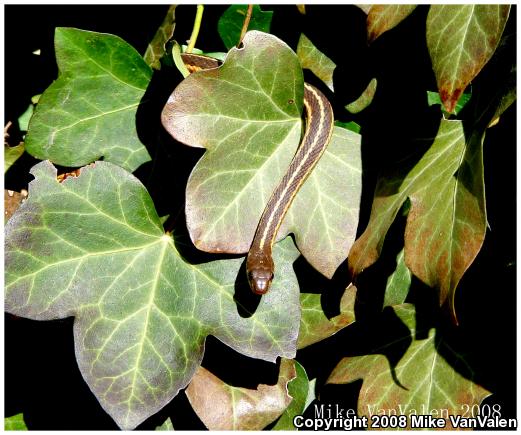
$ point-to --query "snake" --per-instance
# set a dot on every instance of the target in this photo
(260, 267)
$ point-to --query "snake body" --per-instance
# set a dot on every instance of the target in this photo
(319, 127)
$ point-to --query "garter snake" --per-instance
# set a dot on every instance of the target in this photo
(319, 127)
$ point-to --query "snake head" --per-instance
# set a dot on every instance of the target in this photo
(259, 269)
(260, 281)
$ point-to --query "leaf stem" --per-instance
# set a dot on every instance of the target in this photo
(245, 24)
(195, 30)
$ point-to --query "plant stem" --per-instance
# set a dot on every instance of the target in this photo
(245, 24)
(195, 30)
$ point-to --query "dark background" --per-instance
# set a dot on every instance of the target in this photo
(42, 379)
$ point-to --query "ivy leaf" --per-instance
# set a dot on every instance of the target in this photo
(461, 40)
(507, 95)
(302, 392)
(11, 155)
(311, 393)
(381, 18)
(447, 221)
(156, 48)
(220, 55)
(247, 113)
(421, 381)
(223, 407)
(324, 213)
(23, 119)
(433, 98)
(93, 247)
(178, 60)
(364, 7)
(167, 425)
(90, 110)
(16, 422)
(315, 326)
(398, 283)
(351, 126)
(317, 62)
(231, 22)
(363, 100)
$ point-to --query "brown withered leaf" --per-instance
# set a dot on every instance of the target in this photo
(447, 221)
(223, 407)
(12, 200)
(364, 7)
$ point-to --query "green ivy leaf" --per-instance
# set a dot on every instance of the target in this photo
(220, 55)
(317, 62)
(247, 113)
(156, 48)
(23, 119)
(421, 381)
(351, 126)
(16, 422)
(324, 213)
(93, 247)
(167, 425)
(315, 326)
(461, 40)
(90, 110)
(363, 100)
(12, 154)
(302, 393)
(507, 95)
(231, 21)
(433, 98)
(223, 407)
(447, 221)
(398, 283)
(381, 18)
(178, 60)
